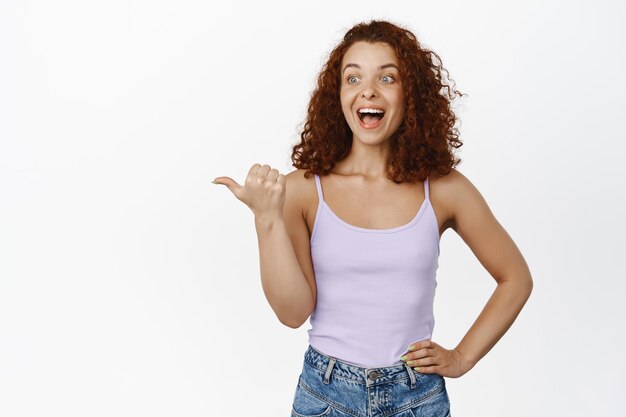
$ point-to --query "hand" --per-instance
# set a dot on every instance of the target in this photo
(430, 358)
(264, 190)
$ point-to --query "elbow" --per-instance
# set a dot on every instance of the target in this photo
(296, 317)
(521, 282)
(527, 288)
(529, 284)
(293, 324)
(521, 286)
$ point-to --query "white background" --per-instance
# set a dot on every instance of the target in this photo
(129, 284)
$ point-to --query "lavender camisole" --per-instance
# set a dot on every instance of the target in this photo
(375, 287)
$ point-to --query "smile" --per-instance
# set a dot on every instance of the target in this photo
(370, 117)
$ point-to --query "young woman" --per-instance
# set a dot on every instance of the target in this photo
(356, 247)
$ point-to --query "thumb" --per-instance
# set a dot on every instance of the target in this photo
(232, 185)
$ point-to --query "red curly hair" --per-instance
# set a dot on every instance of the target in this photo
(421, 146)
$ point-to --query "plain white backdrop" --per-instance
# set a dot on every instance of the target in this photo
(129, 284)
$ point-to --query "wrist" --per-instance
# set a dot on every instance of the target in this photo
(266, 221)
(467, 361)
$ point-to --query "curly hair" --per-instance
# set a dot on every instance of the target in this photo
(423, 143)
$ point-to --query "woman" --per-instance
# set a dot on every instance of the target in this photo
(356, 247)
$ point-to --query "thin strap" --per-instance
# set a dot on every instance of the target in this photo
(426, 192)
(318, 183)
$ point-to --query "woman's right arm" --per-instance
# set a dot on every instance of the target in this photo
(285, 258)
(283, 237)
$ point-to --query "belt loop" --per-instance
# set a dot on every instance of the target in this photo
(411, 375)
(331, 363)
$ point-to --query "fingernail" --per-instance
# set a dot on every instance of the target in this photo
(404, 357)
(417, 368)
(411, 347)
(214, 182)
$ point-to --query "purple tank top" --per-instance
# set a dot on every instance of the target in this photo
(375, 287)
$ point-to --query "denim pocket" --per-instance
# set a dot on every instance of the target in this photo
(436, 404)
(306, 404)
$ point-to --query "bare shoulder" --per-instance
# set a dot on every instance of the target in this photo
(300, 190)
(450, 194)
(444, 196)
(463, 199)
(297, 178)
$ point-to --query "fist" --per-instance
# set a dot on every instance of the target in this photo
(263, 191)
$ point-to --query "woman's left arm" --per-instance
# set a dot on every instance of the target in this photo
(474, 222)
(467, 212)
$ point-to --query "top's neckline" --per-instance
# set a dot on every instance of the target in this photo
(344, 223)
(323, 206)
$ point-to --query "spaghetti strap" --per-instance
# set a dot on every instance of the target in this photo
(426, 190)
(318, 184)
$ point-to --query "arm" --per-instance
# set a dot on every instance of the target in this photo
(285, 260)
(474, 222)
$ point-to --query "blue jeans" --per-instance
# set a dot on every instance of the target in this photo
(331, 387)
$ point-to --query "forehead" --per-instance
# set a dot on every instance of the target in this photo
(368, 54)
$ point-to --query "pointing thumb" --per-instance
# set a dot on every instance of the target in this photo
(229, 182)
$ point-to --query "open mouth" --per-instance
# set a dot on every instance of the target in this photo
(370, 117)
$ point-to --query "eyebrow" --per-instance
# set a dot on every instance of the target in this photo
(381, 67)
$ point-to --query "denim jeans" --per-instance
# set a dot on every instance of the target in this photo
(331, 387)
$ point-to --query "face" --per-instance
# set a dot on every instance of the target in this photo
(370, 79)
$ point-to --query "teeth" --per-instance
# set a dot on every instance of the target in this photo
(366, 110)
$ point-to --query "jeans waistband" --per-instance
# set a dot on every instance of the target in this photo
(368, 376)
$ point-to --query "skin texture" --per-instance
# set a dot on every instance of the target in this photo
(358, 191)
(369, 85)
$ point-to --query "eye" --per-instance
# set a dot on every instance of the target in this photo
(349, 78)
(388, 76)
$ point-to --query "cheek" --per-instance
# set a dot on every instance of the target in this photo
(401, 109)
(345, 108)
(399, 117)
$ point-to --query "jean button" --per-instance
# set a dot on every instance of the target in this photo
(373, 375)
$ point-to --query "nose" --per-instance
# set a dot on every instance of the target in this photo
(368, 94)
(368, 90)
